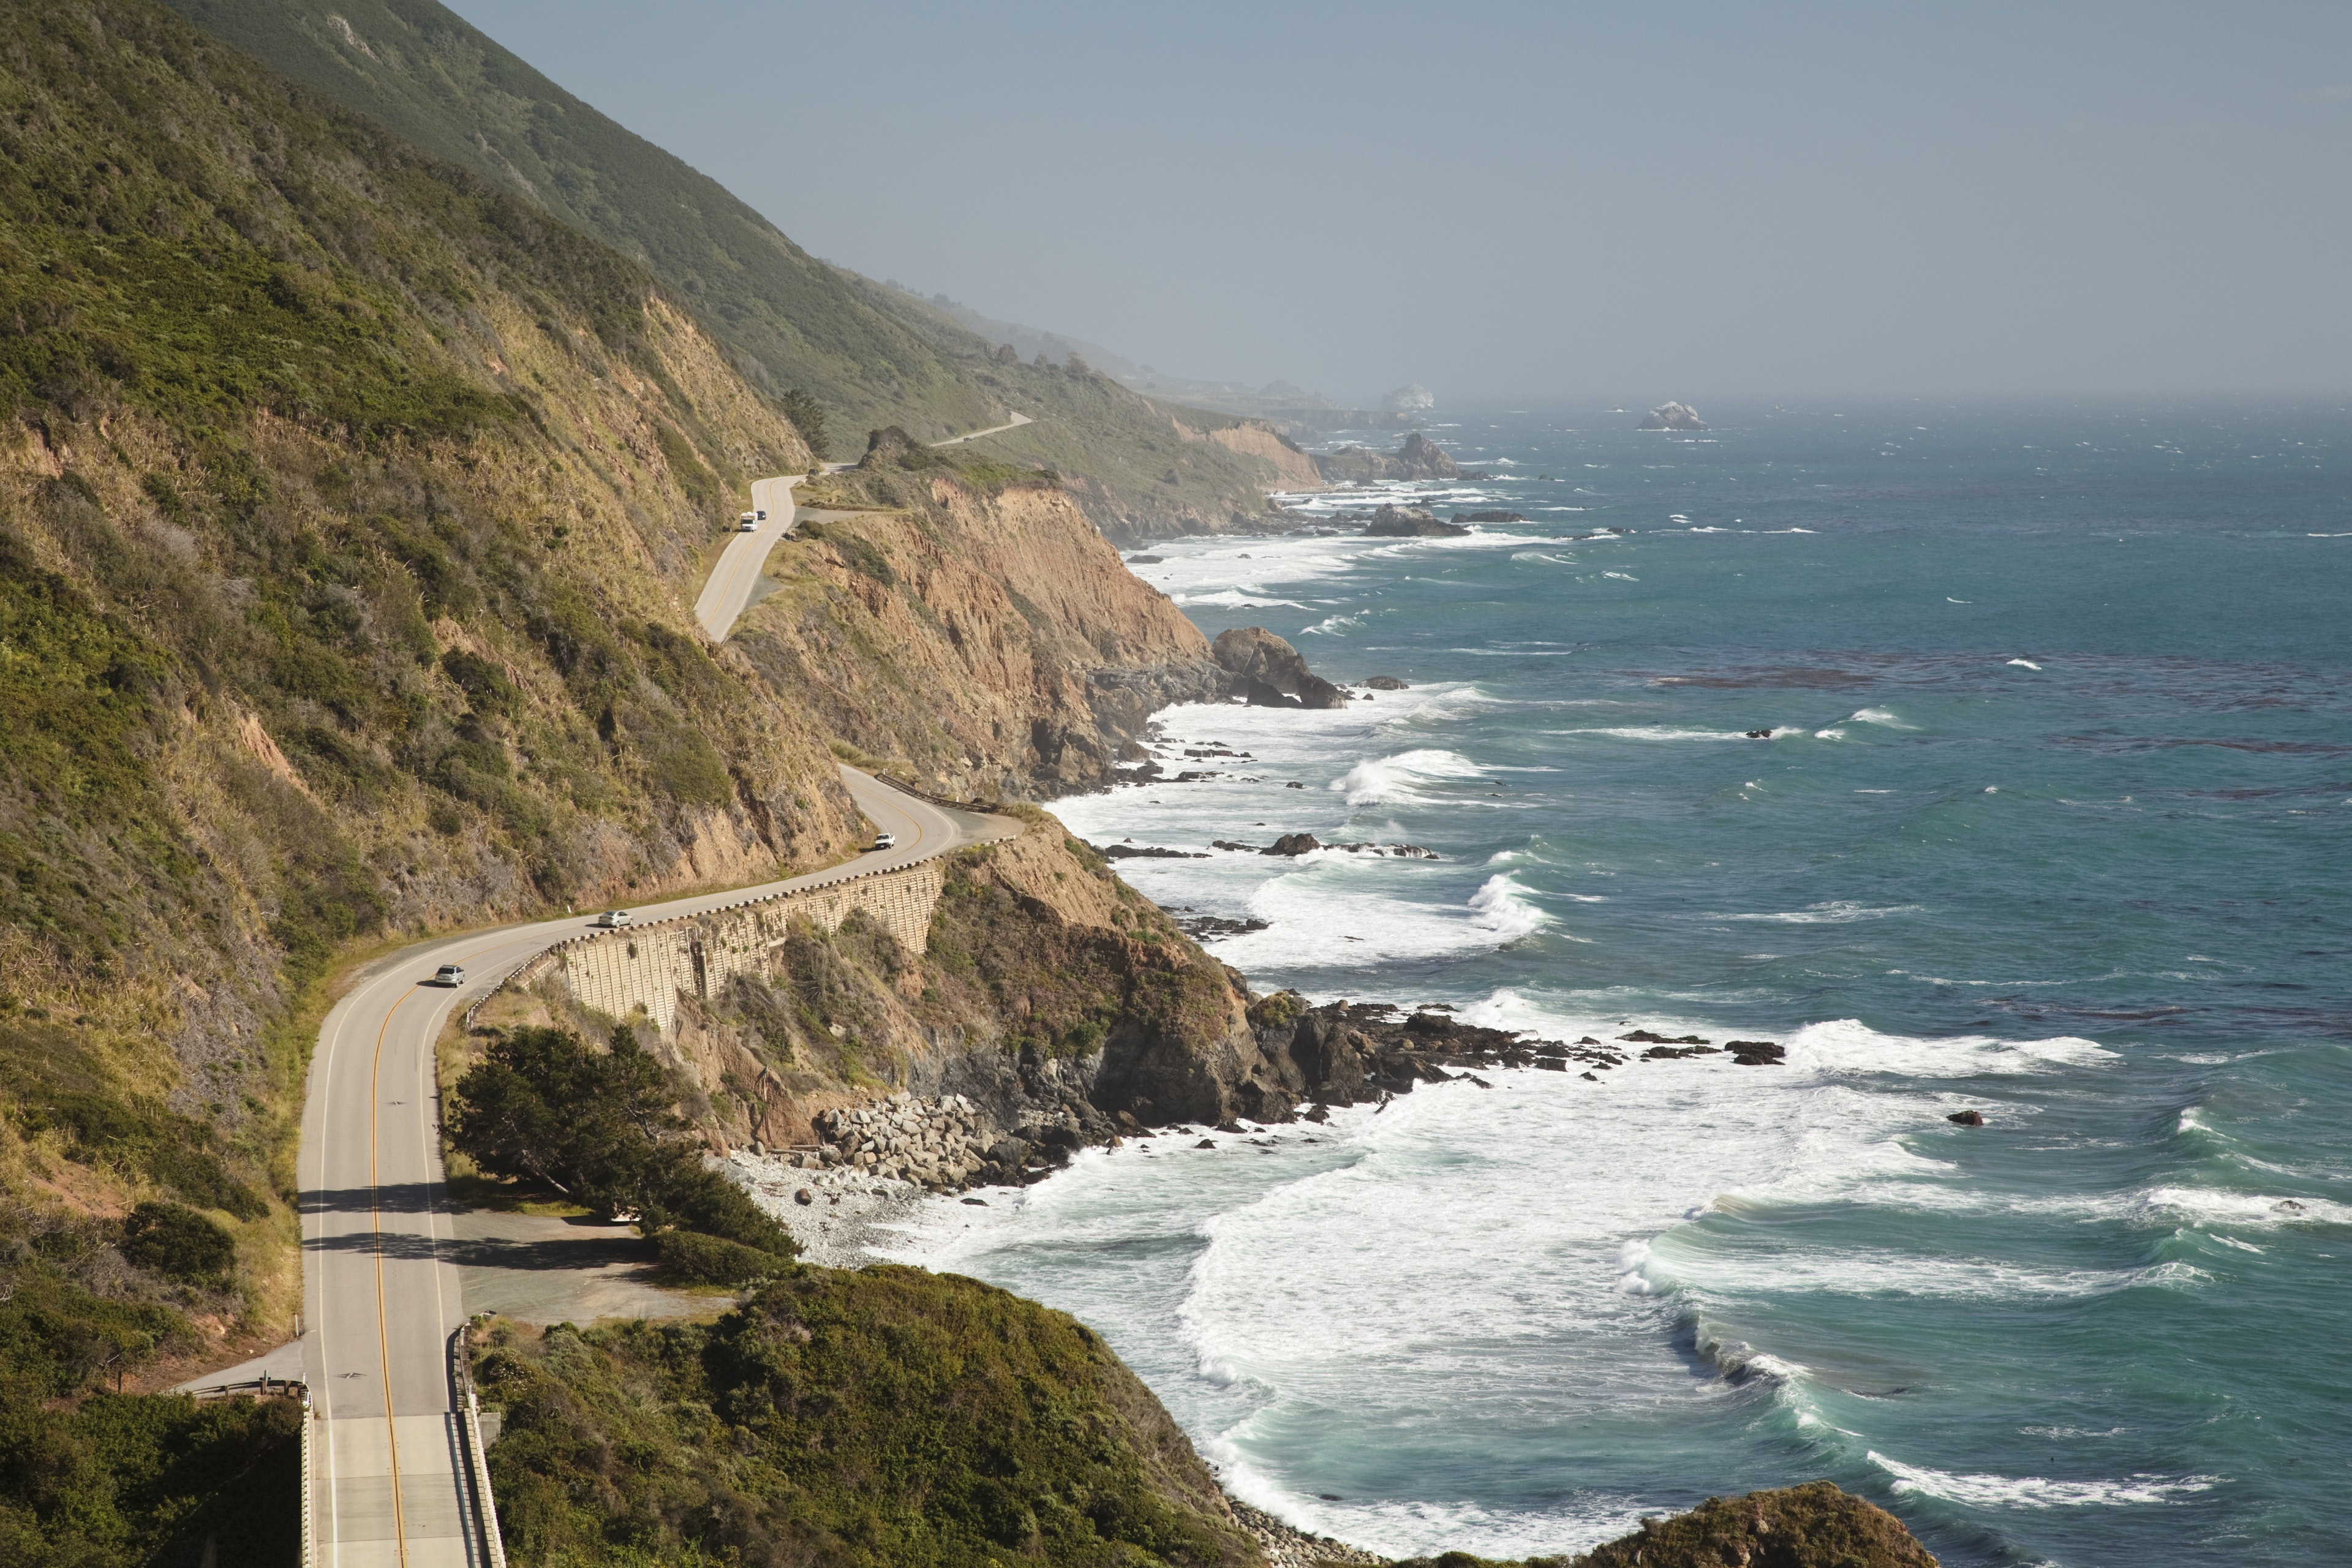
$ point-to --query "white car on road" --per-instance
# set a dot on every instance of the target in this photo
(449, 974)
(886, 841)
(612, 919)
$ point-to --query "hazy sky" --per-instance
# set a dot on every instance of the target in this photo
(1637, 199)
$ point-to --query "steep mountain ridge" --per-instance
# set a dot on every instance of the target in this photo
(349, 511)
(868, 355)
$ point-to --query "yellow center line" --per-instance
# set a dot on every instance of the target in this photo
(383, 1318)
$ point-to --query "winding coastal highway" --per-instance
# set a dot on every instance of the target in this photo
(394, 1481)
(381, 1296)
(727, 592)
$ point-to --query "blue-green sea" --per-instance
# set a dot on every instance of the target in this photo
(2053, 823)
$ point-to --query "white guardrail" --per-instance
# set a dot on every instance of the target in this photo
(478, 1460)
(309, 1483)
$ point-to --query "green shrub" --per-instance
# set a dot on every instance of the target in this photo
(178, 1241)
(877, 1418)
(713, 1260)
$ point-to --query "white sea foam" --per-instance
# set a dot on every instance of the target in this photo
(1878, 716)
(2037, 1491)
(1846, 1046)
(1886, 1274)
(1332, 624)
(1236, 598)
(1654, 732)
(2025, 664)
(1503, 907)
(1840, 912)
(1398, 779)
(2211, 1206)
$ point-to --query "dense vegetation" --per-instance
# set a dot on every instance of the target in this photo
(884, 1418)
(134, 1482)
(329, 481)
(835, 349)
(603, 1128)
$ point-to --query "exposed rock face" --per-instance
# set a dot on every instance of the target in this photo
(1410, 522)
(981, 641)
(1269, 672)
(1673, 417)
(1419, 457)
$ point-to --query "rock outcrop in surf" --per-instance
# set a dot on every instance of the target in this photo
(1410, 522)
(1267, 673)
(1673, 417)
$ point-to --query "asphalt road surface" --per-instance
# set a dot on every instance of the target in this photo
(736, 577)
(729, 591)
(380, 1291)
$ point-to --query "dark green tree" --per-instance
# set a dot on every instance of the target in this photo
(601, 1127)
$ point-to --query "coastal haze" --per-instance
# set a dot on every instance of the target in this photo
(1694, 201)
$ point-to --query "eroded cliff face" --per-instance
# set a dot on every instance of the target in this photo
(1290, 468)
(1051, 993)
(972, 629)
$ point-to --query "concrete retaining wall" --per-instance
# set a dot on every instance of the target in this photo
(647, 967)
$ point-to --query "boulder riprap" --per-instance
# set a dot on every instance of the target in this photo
(1409, 523)
(1267, 673)
(937, 1143)
(1673, 417)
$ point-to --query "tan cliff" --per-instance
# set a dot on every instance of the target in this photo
(981, 637)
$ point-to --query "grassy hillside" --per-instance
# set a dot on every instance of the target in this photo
(882, 1417)
(431, 77)
(869, 355)
(348, 507)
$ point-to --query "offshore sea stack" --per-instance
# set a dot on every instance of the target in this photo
(1418, 457)
(1267, 673)
(1410, 522)
(1673, 417)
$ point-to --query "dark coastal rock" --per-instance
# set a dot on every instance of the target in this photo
(1644, 1037)
(1266, 671)
(805, 1197)
(1756, 1053)
(1385, 683)
(1144, 560)
(1148, 852)
(1811, 1526)
(1198, 926)
(1260, 694)
(1235, 843)
(1488, 517)
(1656, 1053)
(1409, 523)
(1293, 843)
(1389, 851)
(1206, 1143)
(1294, 783)
(1673, 417)
(1966, 1117)
(1416, 458)
(1759, 734)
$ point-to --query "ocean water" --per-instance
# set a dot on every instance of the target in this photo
(2052, 824)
